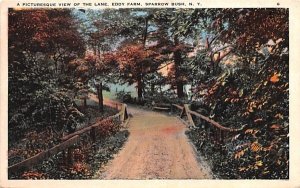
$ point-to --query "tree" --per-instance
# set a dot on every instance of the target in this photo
(111, 29)
(121, 30)
(251, 86)
(173, 44)
(134, 63)
(35, 37)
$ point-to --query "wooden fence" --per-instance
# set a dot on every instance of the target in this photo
(122, 115)
(213, 129)
(68, 142)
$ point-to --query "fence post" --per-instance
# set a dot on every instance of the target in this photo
(64, 157)
(208, 132)
(189, 116)
(124, 114)
(93, 134)
(222, 136)
(182, 113)
(70, 155)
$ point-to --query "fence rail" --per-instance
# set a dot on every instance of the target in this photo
(123, 115)
(213, 130)
(44, 154)
(186, 111)
(68, 141)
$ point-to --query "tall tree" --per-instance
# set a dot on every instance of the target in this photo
(134, 63)
(172, 42)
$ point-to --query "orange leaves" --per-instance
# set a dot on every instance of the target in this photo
(276, 127)
(79, 167)
(258, 120)
(242, 169)
(82, 69)
(33, 175)
(255, 147)
(107, 127)
(241, 150)
(251, 131)
(258, 163)
(279, 116)
(233, 100)
(78, 156)
(75, 63)
(135, 59)
(252, 106)
(239, 154)
(275, 78)
(273, 145)
(212, 90)
(108, 57)
(246, 114)
(91, 58)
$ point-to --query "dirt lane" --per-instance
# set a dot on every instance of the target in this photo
(157, 148)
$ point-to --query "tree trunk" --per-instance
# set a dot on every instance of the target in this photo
(145, 32)
(84, 103)
(56, 67)
(179, 87)
(177, 62)
(140, 89)
(152, 89)
(100, 97)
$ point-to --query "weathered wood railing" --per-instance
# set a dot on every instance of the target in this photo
(213, 130)
(122, 115)
(68, 142)
(44, 154)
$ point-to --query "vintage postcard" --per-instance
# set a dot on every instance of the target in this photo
(149, 93)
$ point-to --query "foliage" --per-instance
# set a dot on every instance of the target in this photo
(88, 158)
(124, 96)
(236, 61)
(34, 96)
(174, 44)
(251, 91)
(134, 62)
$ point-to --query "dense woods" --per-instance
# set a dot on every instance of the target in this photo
(232, 65)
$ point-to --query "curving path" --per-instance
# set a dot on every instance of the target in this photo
(157, 148)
